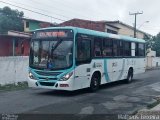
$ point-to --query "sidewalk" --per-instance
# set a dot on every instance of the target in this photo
(152, 112)
(153, 68)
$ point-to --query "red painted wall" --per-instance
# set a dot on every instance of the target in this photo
(6, 46)
(22, 44)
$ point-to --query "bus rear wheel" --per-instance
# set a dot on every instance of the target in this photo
(130, 76)
(95, 83)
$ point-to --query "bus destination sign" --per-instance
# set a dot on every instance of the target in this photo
(51, 34)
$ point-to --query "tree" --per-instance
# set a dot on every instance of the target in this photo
(10, 20)
(149, 42)
(156, 45)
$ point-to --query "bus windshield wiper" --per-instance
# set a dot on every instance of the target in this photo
(55, 46)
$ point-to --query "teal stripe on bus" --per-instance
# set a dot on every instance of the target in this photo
(106, 71)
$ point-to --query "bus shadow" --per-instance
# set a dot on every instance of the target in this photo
(62, 93)
(117, 83)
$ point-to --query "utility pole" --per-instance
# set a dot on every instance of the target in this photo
(135, 23)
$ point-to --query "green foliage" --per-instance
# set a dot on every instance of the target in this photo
(14, 86)
(156, 45)
(149, 42)
(10, 20)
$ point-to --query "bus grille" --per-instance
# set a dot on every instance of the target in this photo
(47, 84)
(43, 78)
(48, 73)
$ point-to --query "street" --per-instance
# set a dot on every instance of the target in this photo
(114, 98)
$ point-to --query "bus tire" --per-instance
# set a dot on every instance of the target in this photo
(130, 75)
(95, 82)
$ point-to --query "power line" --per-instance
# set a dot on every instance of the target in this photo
(71, 7)
(38, 9)
(32, 11)
(40, 3)
(135, 14)
(85, 15)
(73, 12)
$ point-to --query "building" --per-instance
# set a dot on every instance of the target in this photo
(125, 29)
(32, 24)
(93, 25)
(114, 27)
(13, 43)
(151, 60)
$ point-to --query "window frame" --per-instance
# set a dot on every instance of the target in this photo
(111, 40)
(143, 50)
(101, 47)
(121, 48)
(120, 54)
(79, 37)
(124, 50)
(27, 24)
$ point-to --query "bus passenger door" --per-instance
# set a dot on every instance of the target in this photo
(108, 74)
(83, 66)
(107, 54)
(118, 63)
(118, 69)
(82, 76)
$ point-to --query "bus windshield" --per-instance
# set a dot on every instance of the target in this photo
(51, 54)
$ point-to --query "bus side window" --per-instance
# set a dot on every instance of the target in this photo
(120, 48)
(115, 47)
(141, 50)
(136, 50)
(107, 47)
(97, 47)
(127, 48)
(83, 51)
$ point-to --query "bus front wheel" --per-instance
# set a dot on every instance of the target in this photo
(95, 83)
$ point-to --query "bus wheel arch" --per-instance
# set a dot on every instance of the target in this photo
(130, 75)
(95, 81)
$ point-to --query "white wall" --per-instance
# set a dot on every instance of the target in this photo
(151, 53)
(152, 62)
(156, 62)
(13, 69)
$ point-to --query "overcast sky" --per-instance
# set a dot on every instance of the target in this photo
(94, 10)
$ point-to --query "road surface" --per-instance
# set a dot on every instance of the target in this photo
(115, 98)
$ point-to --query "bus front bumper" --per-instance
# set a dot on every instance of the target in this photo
(59, 85)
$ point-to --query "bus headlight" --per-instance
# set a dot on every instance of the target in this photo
(66, 77)
(31, 76)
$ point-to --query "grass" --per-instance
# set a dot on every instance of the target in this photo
(11, 87)
(150, 106)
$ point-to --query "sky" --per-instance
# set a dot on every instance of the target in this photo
(63, 10)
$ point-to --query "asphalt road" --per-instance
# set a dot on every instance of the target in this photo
(115, 98)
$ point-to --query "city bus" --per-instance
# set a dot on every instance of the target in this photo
(72, 58)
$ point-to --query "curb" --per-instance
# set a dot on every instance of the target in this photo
(155, 68)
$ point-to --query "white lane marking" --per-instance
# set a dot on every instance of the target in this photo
(155, 86)
(87, 110)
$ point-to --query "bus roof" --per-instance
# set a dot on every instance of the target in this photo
(97, 33)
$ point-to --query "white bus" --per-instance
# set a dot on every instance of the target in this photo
(71, 58)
